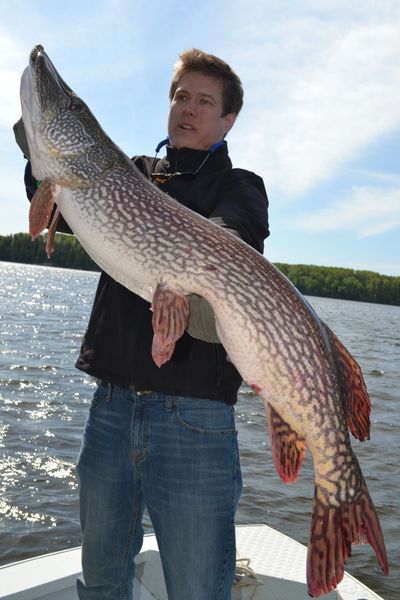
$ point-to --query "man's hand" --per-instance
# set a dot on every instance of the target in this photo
(20, 137)
(201, 323)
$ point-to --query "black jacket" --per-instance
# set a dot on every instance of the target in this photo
(117, 345)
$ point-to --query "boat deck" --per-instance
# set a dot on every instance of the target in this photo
(278, 566)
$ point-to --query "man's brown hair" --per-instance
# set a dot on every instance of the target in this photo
(212, 66)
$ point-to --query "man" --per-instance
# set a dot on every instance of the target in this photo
(164, 438)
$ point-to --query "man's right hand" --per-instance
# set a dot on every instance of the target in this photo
(20, 138)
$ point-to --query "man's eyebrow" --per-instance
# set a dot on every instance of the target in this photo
(203, 94)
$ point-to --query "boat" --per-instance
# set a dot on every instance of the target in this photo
(269, 566)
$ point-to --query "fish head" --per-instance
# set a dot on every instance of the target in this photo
(67, 145)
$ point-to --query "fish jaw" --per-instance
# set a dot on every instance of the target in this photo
(31, 118)
(37, 118)
(67, 145)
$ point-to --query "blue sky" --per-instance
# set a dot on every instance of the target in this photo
(320, 123)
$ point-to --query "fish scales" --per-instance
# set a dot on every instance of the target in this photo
(311, 387)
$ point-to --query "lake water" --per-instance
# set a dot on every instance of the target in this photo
(44, 402)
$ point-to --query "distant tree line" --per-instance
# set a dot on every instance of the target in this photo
(331, 282)
(346, 284)
(67, 252)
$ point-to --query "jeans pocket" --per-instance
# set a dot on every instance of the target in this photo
(99, 397)
(206, 416)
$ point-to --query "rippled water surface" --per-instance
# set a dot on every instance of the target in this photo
(44, 401)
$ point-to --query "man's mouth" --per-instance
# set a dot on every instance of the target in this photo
(186, 127)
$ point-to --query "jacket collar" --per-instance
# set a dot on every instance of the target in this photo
(188, 160)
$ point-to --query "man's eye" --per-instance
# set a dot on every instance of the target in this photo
(204, 101)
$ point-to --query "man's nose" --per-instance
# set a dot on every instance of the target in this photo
(190, 107)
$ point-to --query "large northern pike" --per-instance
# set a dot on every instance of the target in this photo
(312, 389)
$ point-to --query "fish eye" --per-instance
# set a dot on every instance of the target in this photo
(76, 106)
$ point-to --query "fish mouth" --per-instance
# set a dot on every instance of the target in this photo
(59, 126)
(38, 49)
(46, 77)
(42, 91)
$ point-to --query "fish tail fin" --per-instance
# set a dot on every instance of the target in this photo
(333, 531)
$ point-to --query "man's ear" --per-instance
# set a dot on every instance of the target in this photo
(230, 119)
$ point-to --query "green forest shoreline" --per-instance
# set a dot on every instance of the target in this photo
(312, 280)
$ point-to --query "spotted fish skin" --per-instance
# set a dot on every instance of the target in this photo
(312, 389)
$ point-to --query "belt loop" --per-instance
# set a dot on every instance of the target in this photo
(108, 392)
(169, 403)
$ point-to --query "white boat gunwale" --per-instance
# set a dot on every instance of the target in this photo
(277, 560)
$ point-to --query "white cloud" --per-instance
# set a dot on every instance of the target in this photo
(12, 60)
(367, 211)
(317, 93)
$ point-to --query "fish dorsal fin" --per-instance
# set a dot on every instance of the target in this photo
(170, 317)
(41, 206)
(287, 446)
(356, 400)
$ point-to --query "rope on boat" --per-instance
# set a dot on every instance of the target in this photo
(245, 576)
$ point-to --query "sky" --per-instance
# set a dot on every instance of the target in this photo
(321, 115)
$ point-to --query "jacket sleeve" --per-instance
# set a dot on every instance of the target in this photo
(243, 207)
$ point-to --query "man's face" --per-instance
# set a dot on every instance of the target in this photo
(195, 119)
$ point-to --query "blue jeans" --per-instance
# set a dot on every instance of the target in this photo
(178, 457)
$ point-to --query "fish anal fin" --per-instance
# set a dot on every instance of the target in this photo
(287, 446)
(41, 207)
(170, 317)
(333, 531)
(355, 396)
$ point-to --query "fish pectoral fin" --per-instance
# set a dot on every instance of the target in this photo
(170, 317)
(161, 352)
(287, 446)
(356, 400)
(41, 207)
(52, 233)
(333, 531)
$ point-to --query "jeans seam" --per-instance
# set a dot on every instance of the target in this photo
(128, 549)
(224, 570)
(132, 526)
(228, 547)
(124, 572)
